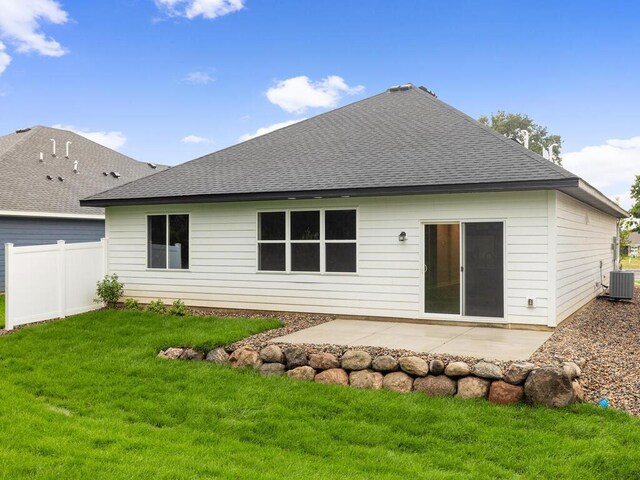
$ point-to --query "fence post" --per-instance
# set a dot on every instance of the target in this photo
(62, 280)
(8, 317)
(105, 257)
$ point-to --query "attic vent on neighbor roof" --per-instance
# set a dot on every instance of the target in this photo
(115, 174)
(152, 165)
(22, 130)
(401, 88)
(49, 177)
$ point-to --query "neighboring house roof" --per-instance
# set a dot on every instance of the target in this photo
(401, 141)
(634, 238)
(26, 190)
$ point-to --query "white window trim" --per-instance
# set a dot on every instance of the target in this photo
(167, 269)
(322, 241)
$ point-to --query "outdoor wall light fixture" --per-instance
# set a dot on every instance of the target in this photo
(402, 237)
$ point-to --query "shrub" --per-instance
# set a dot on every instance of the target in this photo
(178, 308)
(156, 306)
(131, 304)
(109, 290)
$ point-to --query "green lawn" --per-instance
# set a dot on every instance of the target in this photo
(85, 398)
(629, 263)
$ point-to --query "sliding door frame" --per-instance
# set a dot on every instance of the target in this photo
(461, 317)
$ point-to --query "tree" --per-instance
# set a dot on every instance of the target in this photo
(512, 124)
(635, 208)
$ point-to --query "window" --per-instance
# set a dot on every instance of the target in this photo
(272, 241)
(307, 241)
(168, 241)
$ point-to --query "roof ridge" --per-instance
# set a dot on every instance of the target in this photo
(506, 140)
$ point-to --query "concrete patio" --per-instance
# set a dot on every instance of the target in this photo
(480, 342)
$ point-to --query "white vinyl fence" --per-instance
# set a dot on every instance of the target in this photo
(51, 281)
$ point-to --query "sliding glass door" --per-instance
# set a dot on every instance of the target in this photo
(442, 268)
(464, 269)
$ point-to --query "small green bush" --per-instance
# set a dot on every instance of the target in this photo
(109, 290)
(131, 304)
(157, 306)
(178, 308)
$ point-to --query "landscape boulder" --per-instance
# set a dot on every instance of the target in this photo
(272, 369)
(577, 391)
(366, 379)
(356, 360)
(272, 354)
(472, 387)
(517, 373)
(172, 353)
(323, 361)
(397, 382)
(435, 385)
(457, 369)
(436, 367)
(385, 363)
(572, 370)
(295, 357)
(302, 373)
(217, 355)
(414, 366)
(504, 393)
(549, 386)
(335, 376)
(245, 357)
(191, 354)
(487, 370)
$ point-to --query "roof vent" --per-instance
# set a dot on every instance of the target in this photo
(401, 88)
(430, 92)
(61, 179)
(115, 174)
(22, 130)
(152, 165)
(42, 157)
(75, 166)
(49, 177)
(54, 147)
(67, 151)
(105, 174)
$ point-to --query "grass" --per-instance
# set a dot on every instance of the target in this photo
(86, 397)
(629, 263)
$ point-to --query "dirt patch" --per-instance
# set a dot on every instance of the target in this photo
(607, 335)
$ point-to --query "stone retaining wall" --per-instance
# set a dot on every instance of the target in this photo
(519, 381)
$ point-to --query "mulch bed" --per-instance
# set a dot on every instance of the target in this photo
(607, 335)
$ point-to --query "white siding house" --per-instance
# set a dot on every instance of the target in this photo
(397, 206)
(389, 281)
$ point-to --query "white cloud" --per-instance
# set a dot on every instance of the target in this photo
(113, 140)
(5, 59)
(269, 129)
(199, 78)
(611, 167)
(195, 139)
(20, 25)
(297, 94)
(191, 9)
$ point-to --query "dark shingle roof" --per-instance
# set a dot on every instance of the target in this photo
(404, 141)
(24, 186)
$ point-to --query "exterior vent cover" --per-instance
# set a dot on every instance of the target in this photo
(621, 285)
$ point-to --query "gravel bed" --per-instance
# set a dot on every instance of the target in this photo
(607, 335)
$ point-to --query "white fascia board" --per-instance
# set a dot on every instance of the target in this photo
(77, 216)
(597, 194)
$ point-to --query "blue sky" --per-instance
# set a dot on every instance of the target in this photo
(169, 80)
